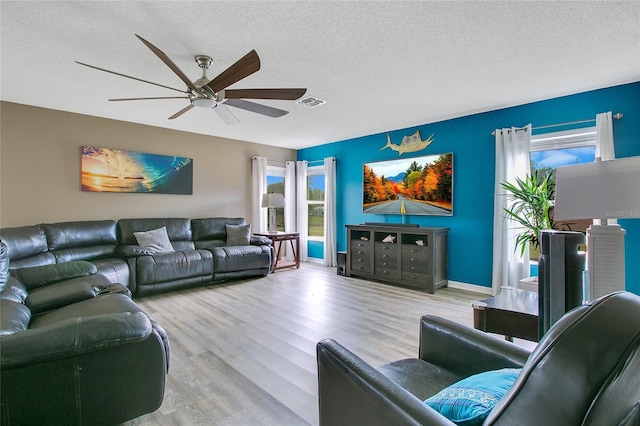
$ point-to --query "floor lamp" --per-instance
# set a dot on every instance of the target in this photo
(271, 200)
(605, 190)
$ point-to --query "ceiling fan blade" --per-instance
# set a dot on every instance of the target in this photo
(244, 67)
(286, 94)
(146, 99)
(133, 78)
(226, 114)
(257, 108)
(164, 58)
(182, 111)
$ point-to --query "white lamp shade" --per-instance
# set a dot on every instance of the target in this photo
(272, 199)
(600, 190)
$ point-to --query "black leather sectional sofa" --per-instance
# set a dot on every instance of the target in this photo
(75, 348)
(200, 253)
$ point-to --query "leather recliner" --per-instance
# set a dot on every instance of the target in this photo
(584, 371)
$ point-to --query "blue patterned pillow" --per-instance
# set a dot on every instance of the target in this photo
(469, 401)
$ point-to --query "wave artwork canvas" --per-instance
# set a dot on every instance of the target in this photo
(113, 170)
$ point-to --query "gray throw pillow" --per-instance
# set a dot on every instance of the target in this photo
(154, 241)
(238, 235)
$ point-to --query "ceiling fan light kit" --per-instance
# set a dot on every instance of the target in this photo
(205, 93)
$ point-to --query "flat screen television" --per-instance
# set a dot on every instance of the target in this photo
(409, 186)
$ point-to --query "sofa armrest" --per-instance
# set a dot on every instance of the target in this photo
(352, 392)
(452, 346)
(73, 337)
(256, 240)
(132, 251)
(38, 276)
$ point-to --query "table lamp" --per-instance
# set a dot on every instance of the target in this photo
(605, 190)
(271, 200)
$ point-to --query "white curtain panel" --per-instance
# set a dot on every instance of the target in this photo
(259, 187)
(302, 211)
(330, 245)
(290, 202)
(605, 147)
(512, 160)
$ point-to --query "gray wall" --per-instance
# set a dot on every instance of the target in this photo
(40, 169)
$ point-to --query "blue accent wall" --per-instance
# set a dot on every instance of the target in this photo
(470, 140)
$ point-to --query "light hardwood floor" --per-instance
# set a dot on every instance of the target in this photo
(243, 353)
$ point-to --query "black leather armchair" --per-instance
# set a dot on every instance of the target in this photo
(584, 371)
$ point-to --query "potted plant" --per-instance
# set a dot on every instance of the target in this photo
(533, 199)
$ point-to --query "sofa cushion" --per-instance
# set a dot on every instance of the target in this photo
(27, 246)
(60, 294)
(213, 228)
(14, 317)
(39, 276)
(14, 290)
(154, 241)
(240, 258)
(65, 235)
(238, 235)
(178, 229)
(163, 267)
(469, 401)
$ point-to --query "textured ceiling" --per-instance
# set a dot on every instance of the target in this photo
(378, 65)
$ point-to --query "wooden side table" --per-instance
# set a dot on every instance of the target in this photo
(512, 313)
(279, 238)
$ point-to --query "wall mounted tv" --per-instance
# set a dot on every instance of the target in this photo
(409, 186)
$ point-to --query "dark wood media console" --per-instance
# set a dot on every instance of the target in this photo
(410, 256)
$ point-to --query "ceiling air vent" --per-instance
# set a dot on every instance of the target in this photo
(311, 102)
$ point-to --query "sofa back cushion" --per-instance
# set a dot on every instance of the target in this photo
(27, 246)
(213, 229)
(82, 240)
(178, 230)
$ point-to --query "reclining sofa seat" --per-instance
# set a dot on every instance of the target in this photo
(71, 355)
(51, 243)
(584, 371)
(152, 273)
(232, 262)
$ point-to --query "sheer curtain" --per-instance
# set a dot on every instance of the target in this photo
(512, 160)
(290, 201)
(301, 203)
(290, 197)
(330, 245)
(259, 187)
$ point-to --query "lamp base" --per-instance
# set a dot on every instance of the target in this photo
(605, 254)
(272, 226)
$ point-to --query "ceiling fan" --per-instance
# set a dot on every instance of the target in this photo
(213, 93)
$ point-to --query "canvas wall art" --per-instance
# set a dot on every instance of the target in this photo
(113, 170)
(410, 186)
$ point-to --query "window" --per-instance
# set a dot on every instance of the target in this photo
(551, 150)
(315, 203)
(275, 183)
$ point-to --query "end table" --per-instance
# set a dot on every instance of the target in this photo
(279, 238)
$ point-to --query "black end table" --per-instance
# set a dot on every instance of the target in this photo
(512, 313)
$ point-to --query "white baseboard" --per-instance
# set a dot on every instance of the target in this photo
(470, 287)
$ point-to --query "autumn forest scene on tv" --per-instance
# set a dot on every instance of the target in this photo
(412, 186)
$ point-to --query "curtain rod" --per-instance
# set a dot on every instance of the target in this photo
(616, 116)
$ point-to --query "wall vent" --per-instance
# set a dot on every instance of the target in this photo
(311, 102)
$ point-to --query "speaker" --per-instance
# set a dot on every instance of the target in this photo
(560, 269)
(342, 263)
